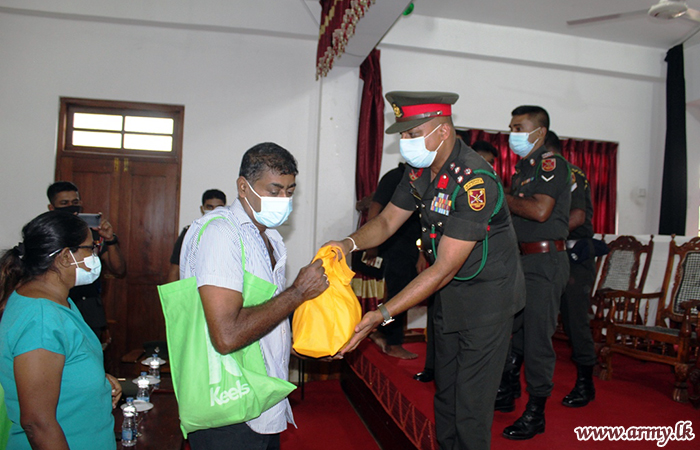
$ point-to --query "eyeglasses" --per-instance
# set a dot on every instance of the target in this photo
(96, 246)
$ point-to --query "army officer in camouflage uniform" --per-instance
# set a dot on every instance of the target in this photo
(475, 271)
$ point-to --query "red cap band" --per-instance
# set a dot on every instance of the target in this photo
(427, 110)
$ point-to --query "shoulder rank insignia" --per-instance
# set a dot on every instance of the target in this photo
(477, 198)
(460, 179)
(442, 182)
(457, 169)
(414, 175)
(467, 171)
(549, 164)
(471, 183)
(452, 166)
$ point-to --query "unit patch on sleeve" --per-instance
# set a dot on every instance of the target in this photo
(477, 198)
(471, 183)
(549, 164)
(441, 204)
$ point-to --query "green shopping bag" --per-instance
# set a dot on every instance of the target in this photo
(5, 423)
(212, 389)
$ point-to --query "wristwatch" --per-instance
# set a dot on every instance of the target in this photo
(385, 313)
(115, 240)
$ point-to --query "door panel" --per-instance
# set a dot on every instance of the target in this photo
(141, 200)
(147, 198)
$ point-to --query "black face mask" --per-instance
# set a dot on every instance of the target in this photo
(73, 209)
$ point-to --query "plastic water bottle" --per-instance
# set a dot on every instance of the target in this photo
(154, 370)
(143, 393)
(129, 424)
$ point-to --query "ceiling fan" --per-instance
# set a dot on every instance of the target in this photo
(665, 9)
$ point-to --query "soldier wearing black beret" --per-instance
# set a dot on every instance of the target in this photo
(475, 272)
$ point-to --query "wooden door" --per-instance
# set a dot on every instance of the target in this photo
(140, 197)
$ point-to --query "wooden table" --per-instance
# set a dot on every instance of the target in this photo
(159, 427)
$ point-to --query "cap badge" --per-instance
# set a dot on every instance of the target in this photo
(397, 110)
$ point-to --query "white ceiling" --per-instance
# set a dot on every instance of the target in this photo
(300, 18)
(551, 16)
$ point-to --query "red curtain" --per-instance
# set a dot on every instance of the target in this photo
(370, 135)
(370, 144)
(596, 158)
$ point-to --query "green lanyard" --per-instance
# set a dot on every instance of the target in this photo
(485, 247)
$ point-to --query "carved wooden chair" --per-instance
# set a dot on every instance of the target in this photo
(619, 271)
(670, 337)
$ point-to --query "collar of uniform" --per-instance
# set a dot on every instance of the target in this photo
(454, 156)
(536, 156)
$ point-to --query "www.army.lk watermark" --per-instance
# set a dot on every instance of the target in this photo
(682, 431)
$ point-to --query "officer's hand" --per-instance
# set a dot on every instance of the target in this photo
(370, 256)
(345, 247)
(311, 281)
(369, 322)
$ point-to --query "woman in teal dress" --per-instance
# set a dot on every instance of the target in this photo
(51, 364)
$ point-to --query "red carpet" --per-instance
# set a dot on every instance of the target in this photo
(638, 395)
(326, 421)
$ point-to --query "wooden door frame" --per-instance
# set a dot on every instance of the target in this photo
(121, 159)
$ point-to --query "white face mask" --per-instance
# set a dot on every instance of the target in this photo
(84, 277)
(274, 211)
(416, 153)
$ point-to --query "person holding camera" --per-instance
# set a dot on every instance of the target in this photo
(64, 196)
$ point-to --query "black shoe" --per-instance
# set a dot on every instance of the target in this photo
(426, 376)
(584, 390)
(530, 424)
(509, 389)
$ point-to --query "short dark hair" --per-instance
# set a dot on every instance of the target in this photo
(537, 114)
(42, 239)
(552, 142)
(462, 134)
(58, 187)
(486, 147)
(264, 157)
(213, 193)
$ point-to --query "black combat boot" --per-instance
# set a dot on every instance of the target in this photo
(530, 423)
(509, 389)
(584, 390)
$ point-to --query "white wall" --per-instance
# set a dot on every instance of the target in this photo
(242, 88)
(591, 89)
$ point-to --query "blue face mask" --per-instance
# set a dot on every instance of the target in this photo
(520, 145)
(274, 211)
(415, 152)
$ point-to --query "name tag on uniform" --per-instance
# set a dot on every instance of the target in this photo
(441, 204)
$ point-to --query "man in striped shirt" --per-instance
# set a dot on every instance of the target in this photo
(265, 187)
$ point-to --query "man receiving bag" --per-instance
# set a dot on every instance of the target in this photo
(474, 268)
(235, 260)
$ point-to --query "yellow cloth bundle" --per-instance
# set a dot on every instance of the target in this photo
(322, 326)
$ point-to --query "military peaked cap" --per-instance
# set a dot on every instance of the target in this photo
(415, 108)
